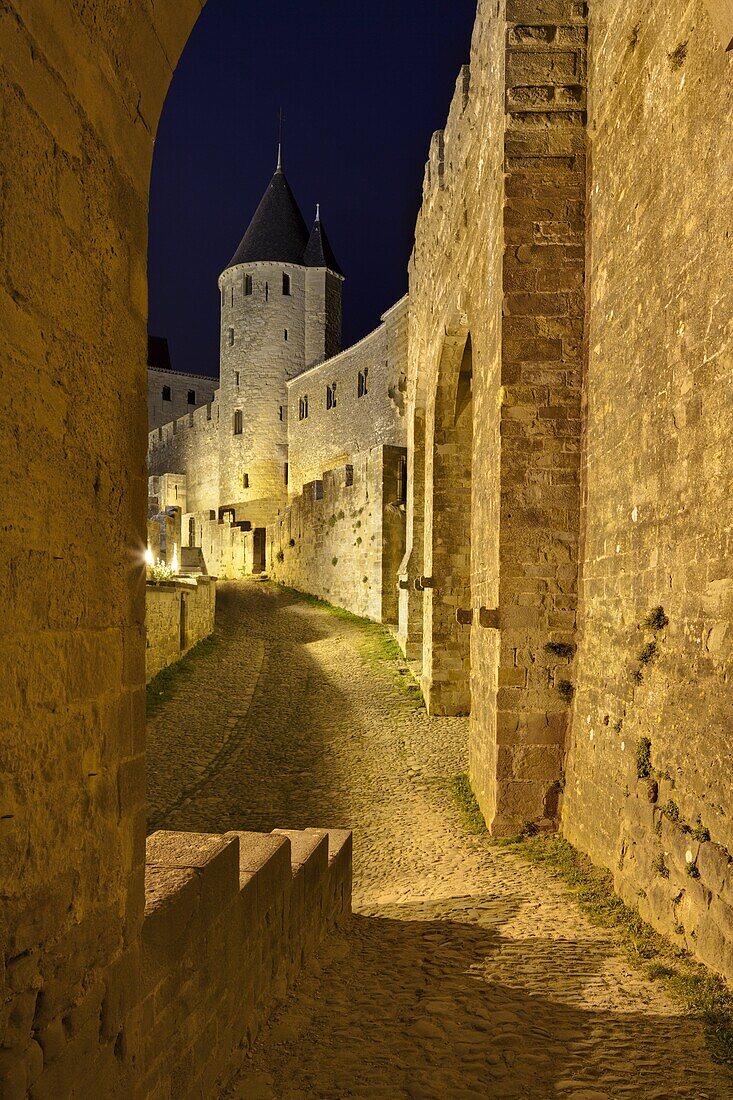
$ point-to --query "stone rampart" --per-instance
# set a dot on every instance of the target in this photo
(170, 393)
(343, 538)
(657, 507)
(178, 614)
(240, 912)
(364, 415)
(190, 445)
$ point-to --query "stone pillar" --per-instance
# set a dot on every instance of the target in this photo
(544, 261)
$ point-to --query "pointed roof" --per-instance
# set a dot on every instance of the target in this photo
(318, 252)
(277, 231)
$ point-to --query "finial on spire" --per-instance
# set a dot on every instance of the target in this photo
(318, 211)
(280, 120)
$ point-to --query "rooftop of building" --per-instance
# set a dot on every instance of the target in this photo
(278, 232)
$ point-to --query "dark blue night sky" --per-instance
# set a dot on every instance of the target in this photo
(363, 87)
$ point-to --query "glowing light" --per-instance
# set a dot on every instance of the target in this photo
(149, 559)
(174, 562)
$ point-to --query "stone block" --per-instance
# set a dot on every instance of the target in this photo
(267, 857)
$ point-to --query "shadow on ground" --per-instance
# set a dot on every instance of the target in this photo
(407, 1006)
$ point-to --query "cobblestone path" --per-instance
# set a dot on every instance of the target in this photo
(465, 972)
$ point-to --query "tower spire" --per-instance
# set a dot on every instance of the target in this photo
(280, 120)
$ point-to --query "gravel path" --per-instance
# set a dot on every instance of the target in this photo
(464, 972)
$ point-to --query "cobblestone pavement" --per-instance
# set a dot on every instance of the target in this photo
(464, 972)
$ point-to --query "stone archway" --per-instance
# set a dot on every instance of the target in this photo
(447, 583)
(83, 88)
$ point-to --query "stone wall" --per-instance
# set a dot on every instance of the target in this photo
(343, 538)
(239, 912)
(657, 512)
(190, 446)
(163, 411)
(177, 615)
(499, 258)
(328, 437)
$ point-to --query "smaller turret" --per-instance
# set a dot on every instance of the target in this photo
(324, 284)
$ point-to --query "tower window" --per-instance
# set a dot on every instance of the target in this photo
(166, 393)
(247, 285)
(231, 337)
(362, 384)
(402, 480)
(192, 397)
(238, 422)
(236, 378)
(286, 334)
(303, 407)
(267, 291)
(285, 471)
(232, 298)
(331, 396)
(286, 283)
(245, 481)
(282, 415)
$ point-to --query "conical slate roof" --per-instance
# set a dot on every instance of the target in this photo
(318, 252)
(277, 231)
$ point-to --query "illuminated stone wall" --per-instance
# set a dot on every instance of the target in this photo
(657, 511)
(342, 539)
(177, 616)
(331, 434)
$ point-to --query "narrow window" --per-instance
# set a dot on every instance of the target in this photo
(245, 481)
(331, 396)
(236, 378)
(166, 393)
(303, 407)
(286, 473)
(349, 477)
(247, 285)
(267, 291)
(238, 422)
(362, 384)
(281, 412)
(232, 302)
(286, 334)
(231, 337)
(286, 283)
(402, 480)
(192, 397)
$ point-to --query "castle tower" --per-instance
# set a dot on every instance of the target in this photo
(280, 314)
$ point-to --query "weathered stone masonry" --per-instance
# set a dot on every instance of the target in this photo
(657, 512)
(178, 614)
(497, 257)
(503, 255)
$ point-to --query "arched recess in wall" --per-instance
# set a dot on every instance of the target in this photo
(88, 84)
(448, 487)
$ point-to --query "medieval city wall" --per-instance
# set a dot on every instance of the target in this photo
(455, 292)
(657, 510)
(181, 385)
(341, 539)
(329, 437)
(177, 615)
(190, 446)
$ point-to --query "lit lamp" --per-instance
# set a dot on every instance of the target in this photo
(149, 559)
(174, 562)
